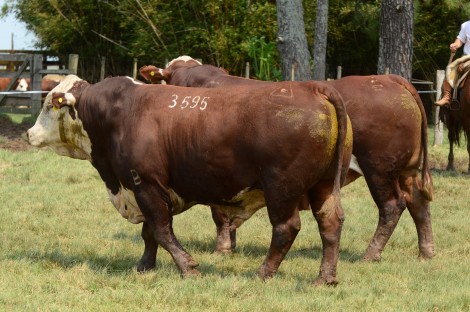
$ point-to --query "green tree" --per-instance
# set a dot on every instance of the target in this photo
(437, 23)
(217, 31)
(352, 35)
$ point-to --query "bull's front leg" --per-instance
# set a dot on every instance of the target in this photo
(148, 260)
(155, 204)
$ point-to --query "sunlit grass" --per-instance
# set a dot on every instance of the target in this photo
(65, 248)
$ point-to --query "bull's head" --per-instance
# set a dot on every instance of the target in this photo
(153, 74)
(58, 125)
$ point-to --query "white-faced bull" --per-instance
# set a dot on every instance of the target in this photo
(160, 149)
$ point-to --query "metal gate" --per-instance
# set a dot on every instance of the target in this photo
(28, 102)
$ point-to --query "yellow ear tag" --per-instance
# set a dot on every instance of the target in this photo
(152, 73)
(54, 107)
(60, 100)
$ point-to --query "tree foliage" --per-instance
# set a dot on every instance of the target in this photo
(217, 31)
(221, 32)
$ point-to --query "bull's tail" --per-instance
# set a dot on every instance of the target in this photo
(337, 101)
(427, 187)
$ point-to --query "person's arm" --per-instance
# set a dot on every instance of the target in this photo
(455, 45)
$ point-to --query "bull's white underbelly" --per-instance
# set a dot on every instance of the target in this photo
(353, 165)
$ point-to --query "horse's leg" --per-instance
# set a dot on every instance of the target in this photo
(468, 152)
(450, 158)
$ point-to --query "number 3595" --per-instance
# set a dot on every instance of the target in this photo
(189, 102)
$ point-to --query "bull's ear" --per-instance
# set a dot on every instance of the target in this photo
(151, 73)
(60, 100)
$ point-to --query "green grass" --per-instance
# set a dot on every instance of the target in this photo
(65, 248)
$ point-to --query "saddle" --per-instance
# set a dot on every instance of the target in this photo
(456, 74)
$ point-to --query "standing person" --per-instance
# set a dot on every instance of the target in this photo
(463, 38)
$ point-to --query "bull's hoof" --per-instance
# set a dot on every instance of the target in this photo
(372, 257)
(327, 281)
(426, 254)
(266, 273)
(144, 267)
(191, 273)
(223, 251)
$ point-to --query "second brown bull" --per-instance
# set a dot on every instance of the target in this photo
(389, 147)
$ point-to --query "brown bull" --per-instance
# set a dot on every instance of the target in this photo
(390, 146)
(161, 149)
(5, 82)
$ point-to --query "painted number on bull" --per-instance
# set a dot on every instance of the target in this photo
(189, 101)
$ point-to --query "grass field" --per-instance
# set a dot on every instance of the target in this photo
(65, 248)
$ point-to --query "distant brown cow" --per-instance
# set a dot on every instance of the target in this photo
(161, 149)
(4, 82)
(390, 146)
(46, 85)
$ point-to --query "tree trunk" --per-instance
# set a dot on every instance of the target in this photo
(396, 37)
(319, 47)
(292, 41)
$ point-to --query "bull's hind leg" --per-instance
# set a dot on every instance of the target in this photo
(154, 203)
(418, 207)
(284, 217)
(148, 260)
(391, 203)
(329, 215)
(226, 237)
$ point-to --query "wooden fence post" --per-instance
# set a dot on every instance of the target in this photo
(339, 72)
(438, 127)
(73, 64)
(134, 69)
(247, 70)
(36, 79)
(103, 67)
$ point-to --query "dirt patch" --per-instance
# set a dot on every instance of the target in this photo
(13, 135)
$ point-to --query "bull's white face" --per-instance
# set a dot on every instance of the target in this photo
(22, 85)
(56, 129)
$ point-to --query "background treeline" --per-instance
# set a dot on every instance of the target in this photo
(227, 33)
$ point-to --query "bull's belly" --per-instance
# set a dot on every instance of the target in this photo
(240, 208)
(354, 165)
